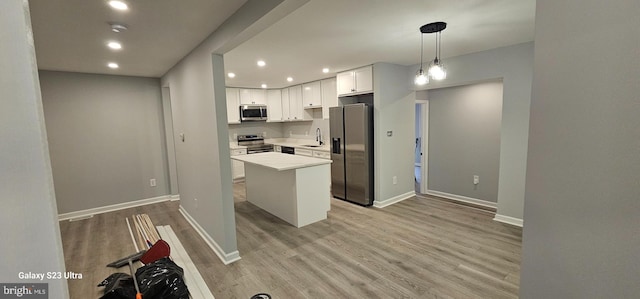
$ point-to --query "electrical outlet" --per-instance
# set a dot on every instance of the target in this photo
(235, 136)
(395, 179)
(152, 182)
(476, 179)
(195, 200)
(264, 134)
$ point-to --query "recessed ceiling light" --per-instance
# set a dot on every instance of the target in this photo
(113, 65)
(325, 70)
(261, 63)
(119, 5)
(264, 85)
(114, 45)
(231, 75)
(117, 28)
(289, 79)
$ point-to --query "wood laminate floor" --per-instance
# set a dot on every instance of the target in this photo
(422, 247)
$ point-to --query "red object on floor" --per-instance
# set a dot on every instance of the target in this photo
(157, 251)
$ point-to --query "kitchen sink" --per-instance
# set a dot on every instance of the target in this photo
(311, 145)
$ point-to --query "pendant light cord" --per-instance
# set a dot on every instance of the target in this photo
(439, 54)
(421, 48)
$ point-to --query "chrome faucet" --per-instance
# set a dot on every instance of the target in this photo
(319, 136)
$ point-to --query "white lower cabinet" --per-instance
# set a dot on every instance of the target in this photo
(322, 155)
(237, 167)
(312, 153)
(303, 152)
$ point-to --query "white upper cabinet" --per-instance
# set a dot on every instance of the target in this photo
(253, 96)
(296, 112)
(233, 106)
(274, 105)
(312, 95)
(355, 81)
(286, 112)
(329, 96)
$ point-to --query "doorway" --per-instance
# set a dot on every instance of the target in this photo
(421, 160)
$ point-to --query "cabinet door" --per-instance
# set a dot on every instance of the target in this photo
(274, 105)
(237, 167)
(295, 102)
(346, 83)
(312, 95)
(237, 170)
(286, 109)
(233, 106)
(245, 96)
(364, 79)
(259, 96)
(329, 96)
(303, 152)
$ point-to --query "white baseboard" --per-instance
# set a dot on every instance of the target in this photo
(88, 213)
(175, 197)
(509, 220)
(461, 198)
(396, 199)
(226, 258)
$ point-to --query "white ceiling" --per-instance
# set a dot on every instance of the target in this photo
(71, 35)
(340, 34)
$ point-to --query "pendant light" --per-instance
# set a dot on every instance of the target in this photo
(421, 76)
(436, 70)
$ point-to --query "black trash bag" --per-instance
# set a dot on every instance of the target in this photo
(118, 286)
(162, 279)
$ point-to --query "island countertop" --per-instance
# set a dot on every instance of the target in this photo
(280, 161)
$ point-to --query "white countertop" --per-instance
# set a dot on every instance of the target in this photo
(280, 161)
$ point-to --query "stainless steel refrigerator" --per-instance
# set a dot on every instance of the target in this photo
(351, 133)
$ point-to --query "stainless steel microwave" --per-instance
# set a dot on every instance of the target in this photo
(253, 112)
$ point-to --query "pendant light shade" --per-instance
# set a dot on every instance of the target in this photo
(421, 78)
(436, 70)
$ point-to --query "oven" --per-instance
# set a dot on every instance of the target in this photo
(254, 143)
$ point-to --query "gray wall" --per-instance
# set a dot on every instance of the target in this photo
(394, 110)
(582, 203)
(30, 233)
(198, 103)
(464, 139)
(514, 65)
(106, 138)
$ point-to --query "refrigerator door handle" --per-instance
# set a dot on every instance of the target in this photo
(335, 145)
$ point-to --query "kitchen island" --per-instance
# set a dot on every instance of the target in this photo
(291, 187)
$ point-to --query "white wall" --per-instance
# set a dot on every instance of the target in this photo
(514, 65)
(273, 130)
(30, 233)
(307, 130)
(582, 203)
(105, 138)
